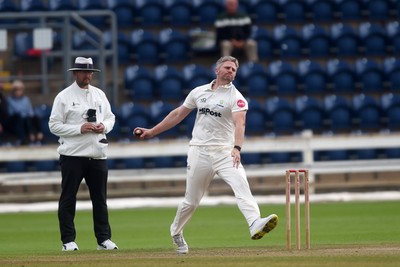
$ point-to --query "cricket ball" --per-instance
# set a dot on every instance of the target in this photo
(138, 132)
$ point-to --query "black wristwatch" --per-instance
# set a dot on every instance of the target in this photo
(238, 148)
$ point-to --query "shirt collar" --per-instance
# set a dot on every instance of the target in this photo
(226, 86)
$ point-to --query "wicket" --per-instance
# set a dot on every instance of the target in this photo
(297, 207)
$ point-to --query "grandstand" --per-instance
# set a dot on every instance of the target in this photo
(331, 67)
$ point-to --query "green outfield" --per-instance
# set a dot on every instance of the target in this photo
(342, 234)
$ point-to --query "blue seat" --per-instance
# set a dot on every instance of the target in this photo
(350, 10)
(60, 5)
(313, 77)
(43, 114)
(158, 111)
(254, 77)
(281, 116)
(123, 46)
(84, 40)
(370, 75)
(140, 83)
(132, 163)
(124, 10)
(392, 153)
(288, 41)
(264, 11)
(294, 10)
(393, 34)
(32, 5)
(373, 38)
(202, 41)
(206, 11)
(251, 158)
(16, 166)
(98, 21)
(391, 69)
(378, 9)
(266, 45)
(322, 10)
(23, 45)
(284, 77)
(310, 113)
(339, 114)
(133, 115)
(145, 47)
(8, 6)
(367, 112)
(316, 40)
(390, 104)
(175, 46)
(328, 155)
(341, 75)
(170, 83)
(255, 119)
(364, 154)
(178, 12)
(150, 12)
(45, 165)
(196, 75)
(345, 40)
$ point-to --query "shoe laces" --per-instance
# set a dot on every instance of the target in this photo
(179, 240)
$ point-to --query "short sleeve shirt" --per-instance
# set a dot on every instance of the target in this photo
(214, 123)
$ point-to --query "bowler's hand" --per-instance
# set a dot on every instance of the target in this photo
(236, 157)
(146, 133)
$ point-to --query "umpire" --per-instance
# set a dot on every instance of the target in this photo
(81, 117)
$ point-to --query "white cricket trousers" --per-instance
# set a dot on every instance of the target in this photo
(204, 162)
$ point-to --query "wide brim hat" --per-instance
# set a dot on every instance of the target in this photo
(85, 64)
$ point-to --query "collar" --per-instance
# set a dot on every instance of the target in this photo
(226, 86)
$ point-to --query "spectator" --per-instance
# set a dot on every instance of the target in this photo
(22, 121)
(233, 32)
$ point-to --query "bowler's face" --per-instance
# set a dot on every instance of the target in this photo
(83, 78)
(226, 72)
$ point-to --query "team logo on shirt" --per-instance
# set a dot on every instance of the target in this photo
(241, 103)
(207, 111)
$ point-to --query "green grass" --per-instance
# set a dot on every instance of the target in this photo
(342, 234)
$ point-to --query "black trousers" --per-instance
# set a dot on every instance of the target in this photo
(95, 172)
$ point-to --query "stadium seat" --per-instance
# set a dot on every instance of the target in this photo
(377, 9)
(393, 34)
(169, 83)
(207, 11)
(125, 12)
(390, 104)
(84, 40)
(16, 166)
(98, 21)
(8, 6)
(339, 114)
(294, 11)
(373, 39)
(288, 41)
(264, 11)
(150, 12)
(284, 78)
(175, 46)
(178, 12)
(61, 5)
(196, 75)
(251, 158)
(145, 47)
(139, 82)
(255, 119)
(133, 115)
(345, 40)
(23, 45)
(367, 112)
(316, 40)
(310, 113)
(45, 165)
(341, 75)
(281, 116)
(32, 5)
(160, 109)
(123, 46)
(328, 155)
(370, 75)
(322, 10)
(391, 69)
(266, 45)
(254, 77)
(312, 77)
(43, 113)
(350, 10)
(365, 154)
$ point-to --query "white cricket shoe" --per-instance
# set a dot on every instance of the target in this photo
(70, 246)
(107, 245)
(180, 244)
(262, 226)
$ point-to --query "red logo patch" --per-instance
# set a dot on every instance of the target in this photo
(241, 103)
